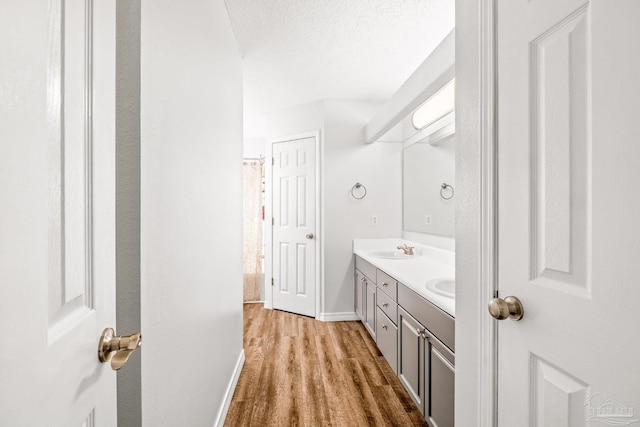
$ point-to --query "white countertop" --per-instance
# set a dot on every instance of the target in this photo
(414, 272)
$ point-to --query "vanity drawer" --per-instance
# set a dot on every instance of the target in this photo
(366, 268)
(387, 305)
(388, 284)
(387, 339)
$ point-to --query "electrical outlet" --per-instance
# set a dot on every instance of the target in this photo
(374, 219)
(427, 220)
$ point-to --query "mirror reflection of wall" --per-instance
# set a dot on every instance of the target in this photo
(425, 168)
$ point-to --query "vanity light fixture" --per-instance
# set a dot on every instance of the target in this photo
(437, 106)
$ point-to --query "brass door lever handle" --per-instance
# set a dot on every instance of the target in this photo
(120, 346)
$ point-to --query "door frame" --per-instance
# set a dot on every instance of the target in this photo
(476, 217)
(268, 225)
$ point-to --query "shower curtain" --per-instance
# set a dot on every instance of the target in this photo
(252, 229)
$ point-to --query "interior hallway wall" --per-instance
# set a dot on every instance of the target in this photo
(470, 148)
(253, 147)
(191, 210)
(349, 160)
(346, 159)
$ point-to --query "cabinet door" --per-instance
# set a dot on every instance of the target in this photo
(387, 339)
(411, 357)
(439, 385)
(370, 307)
(358, 298)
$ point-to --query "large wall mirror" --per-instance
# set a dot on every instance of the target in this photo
(427, 165)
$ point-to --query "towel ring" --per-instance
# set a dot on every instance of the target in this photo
(357, 186)
(443, 187)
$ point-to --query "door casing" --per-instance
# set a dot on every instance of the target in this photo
(268, 229)
(476, 212)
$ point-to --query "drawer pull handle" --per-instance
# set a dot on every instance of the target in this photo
(385, 305)
(385, 284)
(384, 326)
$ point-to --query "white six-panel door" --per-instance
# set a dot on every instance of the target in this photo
(569, 209)
(294, 229)
(57, 220)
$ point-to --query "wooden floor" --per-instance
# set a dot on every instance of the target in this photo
(302, 372)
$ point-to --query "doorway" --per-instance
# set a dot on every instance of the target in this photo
(253, 218)
(295, 225)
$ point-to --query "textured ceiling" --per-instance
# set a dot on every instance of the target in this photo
(299, 51)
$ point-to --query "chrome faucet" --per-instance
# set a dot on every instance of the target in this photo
(408, 250)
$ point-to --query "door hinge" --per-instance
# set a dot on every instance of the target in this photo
(272, 282)
(273, 221)
(273, 161)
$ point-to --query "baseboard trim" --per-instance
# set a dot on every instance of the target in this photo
(231, 387)
(338, 317)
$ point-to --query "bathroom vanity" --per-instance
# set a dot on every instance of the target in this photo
(407, 304)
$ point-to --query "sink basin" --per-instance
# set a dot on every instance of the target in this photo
(445, 287)
(389, 254)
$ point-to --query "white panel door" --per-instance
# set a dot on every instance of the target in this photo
(294, 214)
(569, 206)
(57, 215)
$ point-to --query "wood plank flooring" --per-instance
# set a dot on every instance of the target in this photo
(302, 372)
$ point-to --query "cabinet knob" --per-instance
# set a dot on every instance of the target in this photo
(384, 326)
(385, 305)
(385, 284)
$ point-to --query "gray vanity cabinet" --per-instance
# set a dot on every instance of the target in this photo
(411, 357)
(370, 316)
(439, 383)
(425, 364)
(386, 317)
(358, 297)
(366, 283)
(416, 337)
(387, 338)
(365, 302)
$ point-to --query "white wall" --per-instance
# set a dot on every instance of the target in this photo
(191, 210)
(253, 147)
(295, 120)
(345, 160)
(469, 274)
